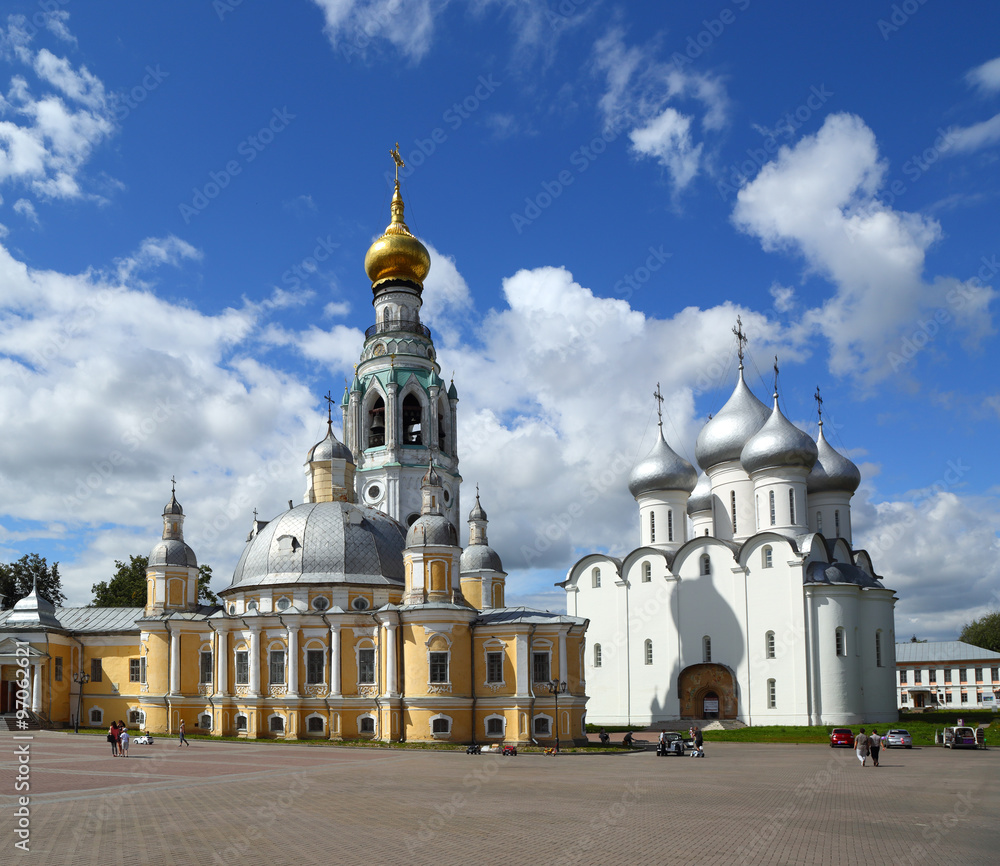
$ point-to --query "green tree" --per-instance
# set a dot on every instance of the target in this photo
(127, 588)
(17, 578)
(983, 632)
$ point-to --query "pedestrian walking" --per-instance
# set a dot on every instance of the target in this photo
(861, 746)
(699, 743)
(182, 738)
(123, 743)
(113, 739)
(874, 746)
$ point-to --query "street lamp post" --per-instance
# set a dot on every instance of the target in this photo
(81, 678)
(555, 689)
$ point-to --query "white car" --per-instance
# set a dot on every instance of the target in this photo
(142, 740)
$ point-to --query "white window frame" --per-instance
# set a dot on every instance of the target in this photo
(769, 645)
(706, 649)
(362, 717)
(366, 644)
(202, 717)
(100, 716)
(772, 694)
(598, 655)
(441, 735)
(503, 726)
(322, 722)
(447, 654)
(284, 723)
(767, 556)
(595, 577)
(494, 646)
(647, 651)
(548, 721)
(236, 722)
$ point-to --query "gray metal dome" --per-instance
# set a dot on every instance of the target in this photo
(324, 542)
(173, 506)
(701, 497)
(480, 557)
(477, 513)
(833, 471)
(724, 436)
(431, 529)
(662, 469)
(839, 572)
(330, 448)
(172, 551)
(778, 444)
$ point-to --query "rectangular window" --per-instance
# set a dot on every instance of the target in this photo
(438, 663)
(902, 700)
(947, 697)
(206, 667)
(918, 676)
(366, 667)
(791, 505)
(135, 670)
(540, 668)
(57, 673)
(652, 527)
(96, 671)
(840, 642)
(995, 674)
(965, 697)
(964, 674)
(494, 667)
(276, 666)
(902, 678)
(947, 676)
(732, 508)
(315, 668)
(932, 676)
(979, 675)
(242, 668)
(772, 694)
(241, 721)
(494, 727)
(670, 525)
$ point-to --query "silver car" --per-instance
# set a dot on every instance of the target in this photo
(899, 738)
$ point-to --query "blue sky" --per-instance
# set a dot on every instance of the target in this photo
(188, 191)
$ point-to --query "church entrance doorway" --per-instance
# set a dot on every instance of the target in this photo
(707, 691)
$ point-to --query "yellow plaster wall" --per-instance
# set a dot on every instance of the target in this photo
(472, 589)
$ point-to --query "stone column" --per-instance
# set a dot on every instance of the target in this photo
(221, 662)
(335, 660)
(175, 662)
(293, 662)
(390, 660)
(255, 661)
(432, 425)
(523, 666)
(36, 688)
(563, 667)
(393, 425)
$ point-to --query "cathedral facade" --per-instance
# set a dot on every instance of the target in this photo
(356, 614)
(745, 599)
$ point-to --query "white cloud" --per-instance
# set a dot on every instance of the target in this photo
(819, 199)
(55, 23)
(963, 139)
(640, 96)
(26, 209)
(336, 309)
(352, 26)
(153, 252)
(985, 77)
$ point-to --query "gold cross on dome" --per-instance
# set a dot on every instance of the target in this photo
(396, 158)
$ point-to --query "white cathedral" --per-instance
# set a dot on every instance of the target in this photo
(746, 598)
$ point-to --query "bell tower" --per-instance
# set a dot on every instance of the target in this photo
(399, 416)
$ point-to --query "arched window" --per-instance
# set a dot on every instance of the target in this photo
(770, 498)
(597, 655)
(841, 650)
(836, 522)
(732, 508)
(652, 527)
(647, 649)
(376, 424)
(791, 505)
(706, 564)
(878, 649)
(772, 695)
(769, 645)
(765, 557)
(819, 521)
(412, 421)
(595, 578)
(706, 649)
(670, 524)
(647, 572)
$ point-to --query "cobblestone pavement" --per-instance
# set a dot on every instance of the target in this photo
(222, 803)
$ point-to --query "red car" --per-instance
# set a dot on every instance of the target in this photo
(842, 737)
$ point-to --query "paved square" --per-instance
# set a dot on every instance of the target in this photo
(253, 804)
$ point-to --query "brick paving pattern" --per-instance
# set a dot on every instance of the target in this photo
(222, 803)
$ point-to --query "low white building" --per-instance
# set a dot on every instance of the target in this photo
(945, 675)
(758, 607)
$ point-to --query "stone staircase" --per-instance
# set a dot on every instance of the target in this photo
(32, 723)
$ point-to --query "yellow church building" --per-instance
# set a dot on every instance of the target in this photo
(353, 615)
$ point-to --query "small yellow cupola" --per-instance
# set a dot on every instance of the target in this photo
(172, 570)
(432, 555)
(329, 467)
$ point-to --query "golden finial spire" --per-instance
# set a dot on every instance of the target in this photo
(396, 158)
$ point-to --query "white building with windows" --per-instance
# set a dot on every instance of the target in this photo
(946, 675)
(745, 598)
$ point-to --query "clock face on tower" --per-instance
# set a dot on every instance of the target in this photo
(378, 350)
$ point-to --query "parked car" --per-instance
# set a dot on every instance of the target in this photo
(675, 744)
(959, 738)
(842, 737)
(898, 738)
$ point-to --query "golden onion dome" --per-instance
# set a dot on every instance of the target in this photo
(397, 255)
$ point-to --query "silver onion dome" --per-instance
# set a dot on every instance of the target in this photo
(701, 496)
(723, 437)
(778, 444)
(431, 529)
(173, 506)
(172, 551)
(478, 512)
(833, 471)
(662, 469)
(480, 557)
(324, 542)
(330, 448)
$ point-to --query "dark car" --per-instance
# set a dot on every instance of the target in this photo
(842, 737)
(898, 738)
(675, 744)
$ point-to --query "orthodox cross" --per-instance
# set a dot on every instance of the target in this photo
(819, 405)
(741, 339)
(329, 407)
(173, 485)
(396, 158)
(775, 375)
(659, 403)
(255, 515)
